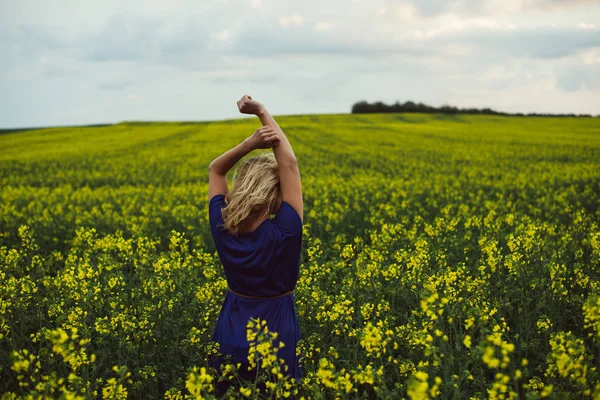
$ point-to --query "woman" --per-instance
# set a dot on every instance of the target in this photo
(260, 256)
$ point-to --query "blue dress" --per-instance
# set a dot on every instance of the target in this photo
(261, 263)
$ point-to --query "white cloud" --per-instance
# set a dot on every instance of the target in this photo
(322, 26)
(591, 56)
(292, 20)
(583, 25)
(450, 24)
(458, 50)
(221, 35)
(505, 6)
(256, 3)
(403, 12)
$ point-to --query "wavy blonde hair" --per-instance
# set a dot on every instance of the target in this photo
(255, 191)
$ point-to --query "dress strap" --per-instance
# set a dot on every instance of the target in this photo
(262, 297)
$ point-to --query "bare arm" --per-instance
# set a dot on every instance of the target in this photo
(289, 173)
(284, 154)
(217, 178)
(222, 164)
(218, 168)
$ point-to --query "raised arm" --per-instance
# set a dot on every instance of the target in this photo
(263, 138)
(218, 168)
(289, 173)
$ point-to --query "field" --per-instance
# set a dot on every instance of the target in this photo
(443, 256)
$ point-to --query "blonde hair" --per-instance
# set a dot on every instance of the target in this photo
(255, 187)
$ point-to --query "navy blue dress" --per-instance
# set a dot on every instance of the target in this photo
(261, 263)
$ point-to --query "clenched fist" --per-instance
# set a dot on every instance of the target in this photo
(248, 106)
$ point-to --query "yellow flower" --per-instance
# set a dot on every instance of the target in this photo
(467, 341)
(197, 383)
(489, 359)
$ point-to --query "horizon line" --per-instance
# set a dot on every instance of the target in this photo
(103, 124)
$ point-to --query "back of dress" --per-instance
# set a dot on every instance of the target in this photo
(262, 269)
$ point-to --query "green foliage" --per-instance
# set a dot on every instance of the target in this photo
(442, 257)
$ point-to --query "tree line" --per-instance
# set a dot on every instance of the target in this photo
(412, 107)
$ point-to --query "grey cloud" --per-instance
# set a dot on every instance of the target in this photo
(27, 38)
(544, 43)
(259, 41)
(114, 85)
(545, 4)
(185, 42)
(126, 38)
(432, 8)
(271, 78)
(301, 46)
(579, 77)
(121, 38)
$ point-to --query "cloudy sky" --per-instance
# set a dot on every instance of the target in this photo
(84, 62)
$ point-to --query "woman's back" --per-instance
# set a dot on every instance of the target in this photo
(262, 269)
(264, 262)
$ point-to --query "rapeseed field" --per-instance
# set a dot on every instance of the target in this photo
(443, 257)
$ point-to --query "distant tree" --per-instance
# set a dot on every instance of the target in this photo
(411, 107)
(360, 107)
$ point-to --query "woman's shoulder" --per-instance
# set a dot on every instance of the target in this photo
(288, 221)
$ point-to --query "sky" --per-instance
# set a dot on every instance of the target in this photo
(92, 62)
